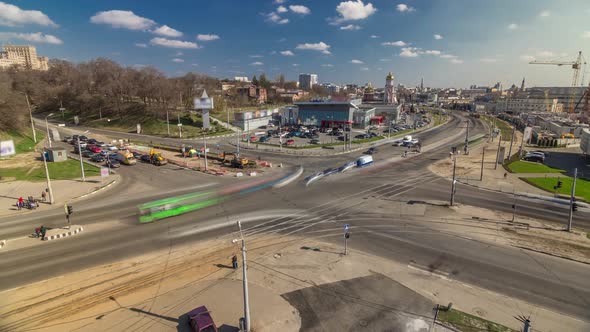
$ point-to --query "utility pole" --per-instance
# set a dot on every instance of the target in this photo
(514, 207)
(498, 152)
(31, 117)
(62, 109)
(511, 141)
(246, 319)
(81, 162)
(572, 199)
(454, 181)
(483, 154)
(205, 151)
(280, 137)
(527, 325)
(179, 127)
(47, 126)
(51, 200)
(167, 122)
(466, 148)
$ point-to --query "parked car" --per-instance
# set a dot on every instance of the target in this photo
(113, 163)
(94, 148)
(372, 150)
(92, 141)
(290, 142)
(145, 158)
(67, 138)
(112, 148)
(88, 154)
(314, 141)
(200, 320)
(264, 139)
(534, 158)
(361, 136)
(83, 138)
(97, 158)
(539, 152)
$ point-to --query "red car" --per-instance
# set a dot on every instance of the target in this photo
(200, 320)
(290, 142)
(94, 148)
(253, 138)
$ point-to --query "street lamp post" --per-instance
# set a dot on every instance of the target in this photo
(244, 280)
(454, 181)
(47, 126)
(51, 200)
(80, 155)
(31, 117)
(205, 151)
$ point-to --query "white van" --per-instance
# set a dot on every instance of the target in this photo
(364, 161)
(407, 138)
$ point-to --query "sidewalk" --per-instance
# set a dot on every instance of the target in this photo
(63, 190)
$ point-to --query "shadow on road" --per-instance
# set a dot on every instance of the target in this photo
(141, 311)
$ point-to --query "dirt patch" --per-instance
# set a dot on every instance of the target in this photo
(22, 160)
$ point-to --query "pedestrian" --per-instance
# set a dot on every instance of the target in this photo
(234, 262)
(43, 231)
(18, 206)
(505, 175)
(21, 203)
(43, 195)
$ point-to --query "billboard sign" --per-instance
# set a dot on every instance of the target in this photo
(7, 148)
(204, 103)
(104, 172)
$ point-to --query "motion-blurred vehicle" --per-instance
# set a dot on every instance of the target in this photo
(346, 166)
(371, 150)
(125, 157)
(330, 171)
(112, 163)
(364, 161)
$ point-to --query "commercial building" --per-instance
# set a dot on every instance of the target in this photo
(327, 113)
(307, 81)
(541, 99)
(241, 79)
(23, 56)
(253, 92)
(253, 119)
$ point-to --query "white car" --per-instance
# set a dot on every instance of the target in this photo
(112, 148)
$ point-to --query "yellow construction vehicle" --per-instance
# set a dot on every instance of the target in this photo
(568, 135)
(156, 158)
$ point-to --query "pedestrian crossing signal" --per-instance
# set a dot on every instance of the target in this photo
(70, 209)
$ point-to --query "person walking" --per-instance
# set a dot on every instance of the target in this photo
(234, 262)
(21, 203)
(18, 206)
(43, 196)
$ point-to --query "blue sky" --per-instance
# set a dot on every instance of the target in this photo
(476, 42)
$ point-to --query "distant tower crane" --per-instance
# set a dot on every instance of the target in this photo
(576, 66)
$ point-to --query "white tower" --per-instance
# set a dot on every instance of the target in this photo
(389, 90)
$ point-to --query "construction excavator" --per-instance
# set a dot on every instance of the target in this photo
(188, 151)
(235, 161)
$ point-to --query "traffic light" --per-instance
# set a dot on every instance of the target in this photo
(70, 209)
(574, 206)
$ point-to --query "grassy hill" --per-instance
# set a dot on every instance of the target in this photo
(23, 140)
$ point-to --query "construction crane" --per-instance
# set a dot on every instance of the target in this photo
(576, 65)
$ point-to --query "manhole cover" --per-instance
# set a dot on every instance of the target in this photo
(363, 323)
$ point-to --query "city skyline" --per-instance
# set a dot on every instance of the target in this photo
(450, 44)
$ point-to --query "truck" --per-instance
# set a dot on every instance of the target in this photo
(156, 158)
(364, 161)
(125, 157)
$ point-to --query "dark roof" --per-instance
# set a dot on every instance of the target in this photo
(201, 316)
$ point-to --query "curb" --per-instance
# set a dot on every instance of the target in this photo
(64, 234)
(97, 190)
(550, 254)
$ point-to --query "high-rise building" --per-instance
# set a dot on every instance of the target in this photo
(307, 81)
(22, 56)
(389, 95)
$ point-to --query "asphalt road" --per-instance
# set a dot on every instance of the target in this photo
(299, 210)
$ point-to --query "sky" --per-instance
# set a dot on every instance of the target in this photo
(449, 43)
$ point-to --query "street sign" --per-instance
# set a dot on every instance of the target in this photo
(7, 148)
(104, 172)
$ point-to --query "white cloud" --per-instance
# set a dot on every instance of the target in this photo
(328, 65)
(279, 1)
(456, 61)
(545, 13)
(448, 56)
(287, 53)
(488, 60)
(384, 60)
(282, 9)
(275, 18)
(321, 47)
(207, 37)
(299, 9)
(179, 54)
(527, 58)
(586, 34)
(432, 52)
(256, 56)
(353, 11)
(257, 63)
(356, 62)
(512, 26)
(194, 64)
(438, 37)
(167, 31)
(177, 60)
(11, 15)
(364, 68)
(402, 7)
(395, 43)
(122, 19)
(374, 36)
(142, 45)
(172, 43)
(545, 54)
(409, 52)
(350, 27)
(295, 65)
(36, 37)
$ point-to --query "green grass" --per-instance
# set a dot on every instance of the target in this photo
(69, 169)
(530, 167)
(469, 323)
(23, 141)
(582, 186)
